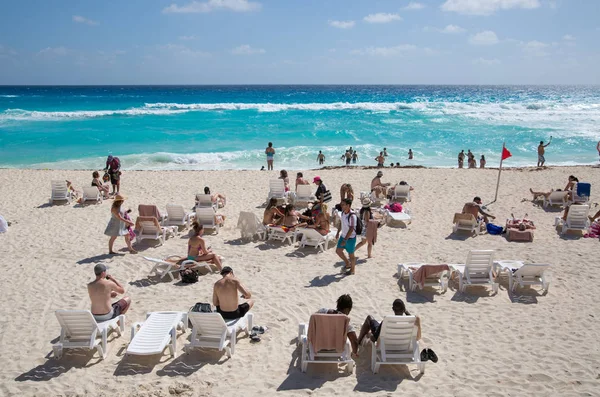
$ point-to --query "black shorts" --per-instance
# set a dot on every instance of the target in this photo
(375, 327)
(347, 161)
(238, 313)
(114, 177)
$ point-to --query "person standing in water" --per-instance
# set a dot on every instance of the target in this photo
(321, 158)
(270, 153)
(410, 154)
(541, 151)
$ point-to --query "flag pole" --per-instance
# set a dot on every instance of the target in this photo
(499, 172)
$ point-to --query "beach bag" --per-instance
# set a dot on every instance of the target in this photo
(106, 177)
(396, 207)
(200, 307)
(326, 196)
(188, 276)
(493, 229)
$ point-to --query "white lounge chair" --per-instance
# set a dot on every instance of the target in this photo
(477, 271)
(315, 239)
(466, 222)
(439, 279)
(178, 216)
(79, 330)
(529, 274)
(303, 196)
(277, 190)
(209, 330)
(577, 219)
(152, 210)
(403, 216)
(277, 233)
(91, 193)
(401, 193)
(205, 201)
(556, 198)
(397, 344)
(60, 192)
(149, 228)
(163, 268)
(310, 355)
(158, 332)
(250, 225)
(206, 217)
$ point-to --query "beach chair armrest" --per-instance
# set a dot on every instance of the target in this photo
(135, 328)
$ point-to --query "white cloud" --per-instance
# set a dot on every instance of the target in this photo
(54, 51)
(341, 24)
(213, 5)
(535, 48)
(413, 5)
(382, 17)
(484, 38)
(486, 7)
(187, 38)
(80, 19)
(568, 37)
(488, 62)
(179, 49)
(384, 51)
(246, 49)
(453, 29)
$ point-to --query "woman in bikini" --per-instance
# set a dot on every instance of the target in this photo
(97, 182)
(216, 198)
(197, 250)
(272, 214)
(291, 217)
(346, 191)
(321, 223)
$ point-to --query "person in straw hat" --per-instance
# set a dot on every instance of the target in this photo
(117, 226)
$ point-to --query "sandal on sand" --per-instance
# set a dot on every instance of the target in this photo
(257, 329)
(432, 356)
(254, 338)
(424, 355)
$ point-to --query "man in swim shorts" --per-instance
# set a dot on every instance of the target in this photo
(348, 239)
(475, 208)
(541, 151)
(225, 296)
(101, 290)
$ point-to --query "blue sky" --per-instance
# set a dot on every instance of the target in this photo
(300, 41)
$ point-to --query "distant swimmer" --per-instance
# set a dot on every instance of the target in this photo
(410, 154)
(482, 161)
(348, 156)
(321, 158)
(541, 151)
(354, 157)
(380, 159)
(461, 158)
(598, 148)
(270, 152)
(385, 152)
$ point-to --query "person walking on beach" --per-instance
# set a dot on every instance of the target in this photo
(348, 239)
(482, 162)
(461, 158)
(541, 151)
(270, 152)
(113, 167)
(101, 290)
(410, 154)
(321, 158)
(380, 160)
(117, 226)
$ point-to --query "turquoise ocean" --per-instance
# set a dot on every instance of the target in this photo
(228, 127)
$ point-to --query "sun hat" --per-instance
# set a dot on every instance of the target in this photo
(316, 178)
(100, 268)
(120, 197)
(366, 202)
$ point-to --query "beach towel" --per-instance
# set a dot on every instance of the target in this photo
(328, 331)
(149, 210)
(427, 270)
(394, 207)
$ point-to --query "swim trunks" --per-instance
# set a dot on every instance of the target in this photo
(117, 308)
(541, 158)
(237, 313)
(350, 245)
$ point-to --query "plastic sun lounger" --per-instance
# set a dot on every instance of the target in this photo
(60, 192)
(158, 332)
(407, 270)
(277, 233)
(164, 268)
(477, 271)
(303, 196)
(466, 222)
(277, 190)
(315, 239)
(79, 330)
(397, 344)
(149, 228)
(178, 216)
(577, 219)
(556, 198)
(401, 193)
(250, 225)
(581, 193)
(205, 201)
(210, 330)
(403, 216)
(206, 217)
(91, 193)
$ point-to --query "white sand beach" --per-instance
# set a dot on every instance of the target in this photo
(524, 344)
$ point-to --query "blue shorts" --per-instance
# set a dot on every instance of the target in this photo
(350, 245)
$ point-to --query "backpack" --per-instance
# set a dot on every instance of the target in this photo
(359, 223)
(188, 276)
(494, 229)
(201, 308)
(116, 162)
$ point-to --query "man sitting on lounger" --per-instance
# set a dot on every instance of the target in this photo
(225, 296)
(379, 187)
(344, 306)
(475, 208)
(101, 291)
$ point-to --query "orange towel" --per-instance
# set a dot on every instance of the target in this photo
(149, 210)
(427, 270)
(328, 331)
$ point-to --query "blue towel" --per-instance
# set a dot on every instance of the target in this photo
(583, 189)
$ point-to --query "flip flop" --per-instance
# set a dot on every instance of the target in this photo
(432, 356)
(257, 329)
(254, 338)
(424, 355)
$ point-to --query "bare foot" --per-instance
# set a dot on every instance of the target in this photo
(132, 251)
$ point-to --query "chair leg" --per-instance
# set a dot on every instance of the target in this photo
(233, 340)
(57, 350)
(103, 348)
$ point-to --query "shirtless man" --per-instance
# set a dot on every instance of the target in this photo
(270, 152)
(320, 158)
(385, 152)
(474, 208)
(348, 157)
(354, 157)
(380, 160)
(101, 290)
(378, 187)
(300, 180)
(541, 151)
(225, 296)
(461, 158)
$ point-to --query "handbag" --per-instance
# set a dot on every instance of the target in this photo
(201, 308)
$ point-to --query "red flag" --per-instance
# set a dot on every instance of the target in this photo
(505, 153)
